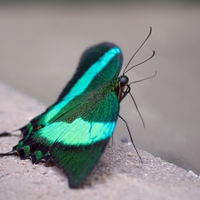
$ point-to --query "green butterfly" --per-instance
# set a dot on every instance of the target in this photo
(74, 131)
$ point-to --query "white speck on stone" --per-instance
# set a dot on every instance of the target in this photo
(193, 174)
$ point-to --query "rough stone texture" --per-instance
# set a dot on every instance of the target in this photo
(118, 175)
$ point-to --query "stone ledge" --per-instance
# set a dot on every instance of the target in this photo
(118, 175)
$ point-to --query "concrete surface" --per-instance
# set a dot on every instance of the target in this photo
(118, 175)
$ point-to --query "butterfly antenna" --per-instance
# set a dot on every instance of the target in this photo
(140, 62)
(131, 137)
(137, 51)
(144, 79)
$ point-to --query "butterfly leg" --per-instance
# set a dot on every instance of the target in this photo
(131, 137)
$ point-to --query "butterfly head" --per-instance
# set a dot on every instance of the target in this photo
(123, 87)
(123, 81)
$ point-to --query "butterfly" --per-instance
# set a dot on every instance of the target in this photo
(75, 130)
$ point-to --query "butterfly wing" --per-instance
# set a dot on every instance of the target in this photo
(75, 130)
(74, 140)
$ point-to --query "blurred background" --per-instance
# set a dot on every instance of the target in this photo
(41, 43)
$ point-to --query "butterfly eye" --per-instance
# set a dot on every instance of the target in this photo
(123, 81)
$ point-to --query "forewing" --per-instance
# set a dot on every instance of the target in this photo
(98, 65)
